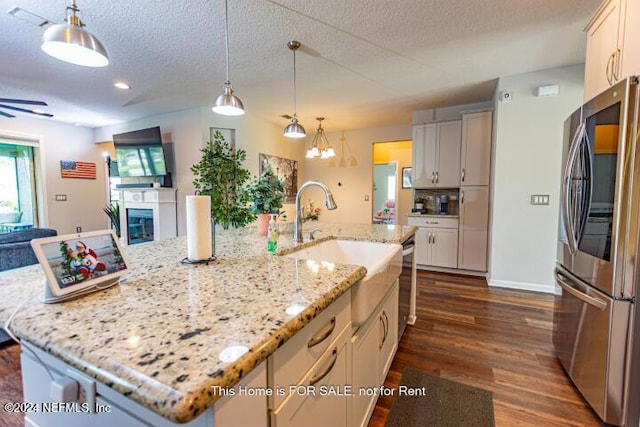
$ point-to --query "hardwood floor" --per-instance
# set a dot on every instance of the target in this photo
(495, 339)
(10, 384)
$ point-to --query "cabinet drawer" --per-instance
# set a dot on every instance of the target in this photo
(290, 362)
(321, 398)
(433, 222)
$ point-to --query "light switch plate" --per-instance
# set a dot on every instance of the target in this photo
(539, 199)
(60, 197)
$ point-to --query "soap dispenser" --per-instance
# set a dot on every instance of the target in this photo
(272, 235)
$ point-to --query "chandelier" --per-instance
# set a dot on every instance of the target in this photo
(320, 146)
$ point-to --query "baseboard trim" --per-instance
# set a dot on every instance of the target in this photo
(522, 286)
(451, 270)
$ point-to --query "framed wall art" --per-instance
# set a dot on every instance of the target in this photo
(286, 170)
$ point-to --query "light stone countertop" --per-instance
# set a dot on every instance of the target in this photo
(158, 337)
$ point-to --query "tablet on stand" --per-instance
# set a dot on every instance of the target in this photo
(78, 264)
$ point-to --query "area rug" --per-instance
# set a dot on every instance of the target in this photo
(444, 403)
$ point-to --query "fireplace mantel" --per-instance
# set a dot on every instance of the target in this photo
(138, 205)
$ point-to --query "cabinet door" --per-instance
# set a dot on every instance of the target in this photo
(474, 220)
(422, 246)
(430, 153)
(419, 168)
(365, 369)
(389, 325)
(630, 52)
(602, 48)
(448, 152)
(444, 247)
(475, 159)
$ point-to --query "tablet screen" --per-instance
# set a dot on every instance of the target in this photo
(75, 261)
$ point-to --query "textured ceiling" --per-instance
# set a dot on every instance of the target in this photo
(362, 62)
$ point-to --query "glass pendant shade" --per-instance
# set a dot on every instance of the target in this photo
(294, 129)
(70, 43)
(228, 104)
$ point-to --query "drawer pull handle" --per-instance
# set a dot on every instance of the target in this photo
(318, 338)
(314, 380)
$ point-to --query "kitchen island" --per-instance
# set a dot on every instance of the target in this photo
(171, 335)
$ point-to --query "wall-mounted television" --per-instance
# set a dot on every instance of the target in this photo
(140, 153)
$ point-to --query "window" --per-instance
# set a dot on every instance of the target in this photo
(18, 201)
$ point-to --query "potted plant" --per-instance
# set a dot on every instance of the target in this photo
(419, 203)
(267, 193)
(220, 175)
(113, 212)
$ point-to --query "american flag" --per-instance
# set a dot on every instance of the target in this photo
(71, 169)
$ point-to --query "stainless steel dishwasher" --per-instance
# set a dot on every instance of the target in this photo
(407, 279)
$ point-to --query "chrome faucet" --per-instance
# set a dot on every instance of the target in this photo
(331, 205)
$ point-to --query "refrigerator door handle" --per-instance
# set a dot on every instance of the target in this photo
(570, 220)
(565, 285)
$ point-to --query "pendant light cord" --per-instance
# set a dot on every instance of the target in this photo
(295, 107)
(226, 38)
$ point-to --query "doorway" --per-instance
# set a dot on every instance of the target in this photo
(385, 189)
(18, 195)
(391, 201)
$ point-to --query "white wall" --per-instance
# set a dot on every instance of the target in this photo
(85, 197)
(350, 184)
(189, 130)
(527, 154)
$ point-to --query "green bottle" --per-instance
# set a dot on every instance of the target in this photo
(272, 235)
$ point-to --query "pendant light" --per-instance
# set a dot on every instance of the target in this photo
(70, 42)
(294, 129)
(227, 104)
(320, 146)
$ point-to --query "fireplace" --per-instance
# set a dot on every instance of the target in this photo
(148, 214)
(139, 226)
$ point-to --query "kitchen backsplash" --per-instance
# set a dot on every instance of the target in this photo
(430, 196)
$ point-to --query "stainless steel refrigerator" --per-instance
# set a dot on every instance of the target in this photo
(596, 330)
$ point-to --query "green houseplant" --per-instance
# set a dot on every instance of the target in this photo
(267, 194)
(220, 175)
(113, 212)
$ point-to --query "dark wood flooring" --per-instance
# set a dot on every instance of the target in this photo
(495, 339)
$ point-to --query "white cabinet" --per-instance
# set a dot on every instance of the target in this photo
(436, 155)
(613, 39)
(321, 397)
(475, 157)
(374, 346)
(436, 241)
(631, 53)
(474, 220)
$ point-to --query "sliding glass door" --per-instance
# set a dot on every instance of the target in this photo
(18, 196)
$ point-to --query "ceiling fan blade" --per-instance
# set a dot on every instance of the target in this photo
(2, 113)
(23, 101)
(22, 110)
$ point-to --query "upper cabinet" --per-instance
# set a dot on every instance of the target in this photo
(475, 158)
(612, 45)
(436, 155)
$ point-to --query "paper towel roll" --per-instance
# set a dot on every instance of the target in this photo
(198, 228)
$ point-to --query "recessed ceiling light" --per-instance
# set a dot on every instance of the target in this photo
(77, 124)
(122, 85)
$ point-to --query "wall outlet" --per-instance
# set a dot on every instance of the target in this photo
(78, 229)
(539, 199)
